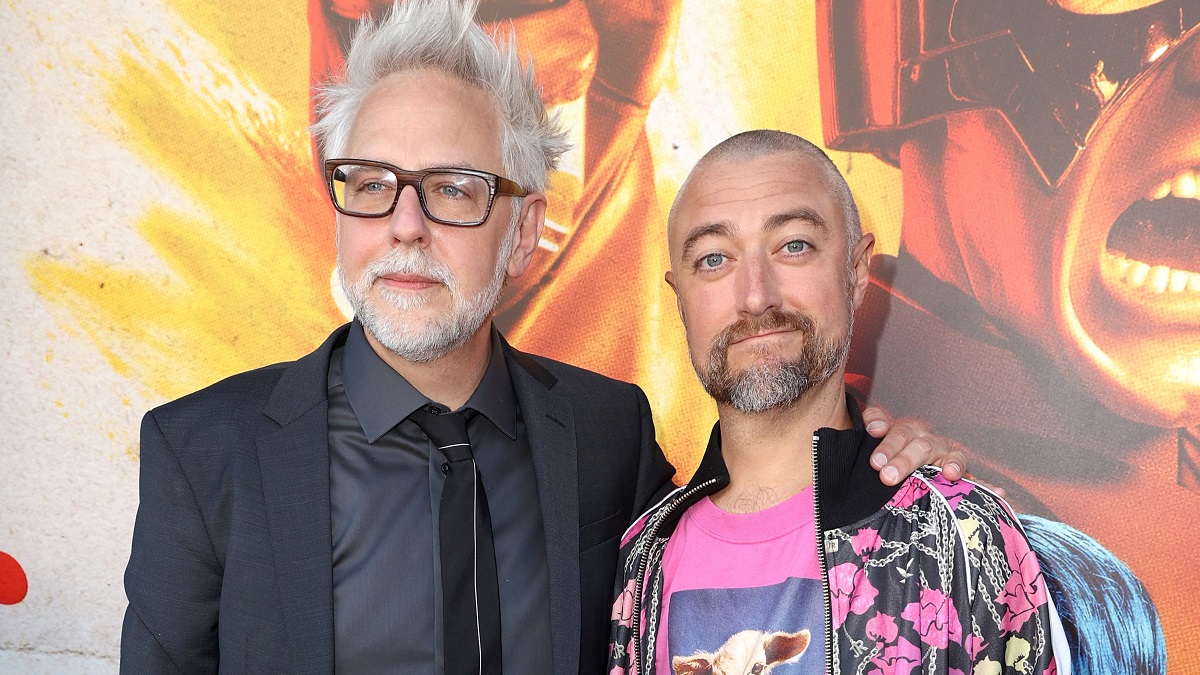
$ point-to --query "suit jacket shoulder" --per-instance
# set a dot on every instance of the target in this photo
(220, 534)
(282, 391)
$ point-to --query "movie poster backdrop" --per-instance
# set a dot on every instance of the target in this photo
(1030, 169)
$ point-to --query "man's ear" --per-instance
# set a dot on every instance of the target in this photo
(670, 279)
(860, 264)
(533, 219)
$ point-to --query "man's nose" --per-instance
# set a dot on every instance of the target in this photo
(408, 224)
(758, 287)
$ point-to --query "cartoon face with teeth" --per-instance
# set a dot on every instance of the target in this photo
(1129, 293)
(1055, 183)
(1102, 272)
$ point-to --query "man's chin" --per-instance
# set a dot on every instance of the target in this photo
(764, 387)
(415, 343)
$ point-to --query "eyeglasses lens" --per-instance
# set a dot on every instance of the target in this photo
(448, 196)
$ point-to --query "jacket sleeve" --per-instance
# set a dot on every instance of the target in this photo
(1015, 622)
(654, 471)
(173, 580)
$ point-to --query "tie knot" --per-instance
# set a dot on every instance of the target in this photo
(447, 430)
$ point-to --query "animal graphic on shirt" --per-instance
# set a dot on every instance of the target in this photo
(749, 652)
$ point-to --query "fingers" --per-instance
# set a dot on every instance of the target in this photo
(954, 465)
(908, 444)
(889, 456)
(876, 421)
(911, 456)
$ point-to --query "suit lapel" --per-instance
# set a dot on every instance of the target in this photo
(294, 463)
(550, 426)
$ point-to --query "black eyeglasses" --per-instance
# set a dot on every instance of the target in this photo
(450, 196)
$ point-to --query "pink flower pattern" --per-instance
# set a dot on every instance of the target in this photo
(973, 644)
(882, 628)
(850, 591)
(909, 493)
(901, 658)
(866, 541)
(953, 491)
(896, 587)
(935, 618)
(916, 618)
(1024, 591)
(623, 607)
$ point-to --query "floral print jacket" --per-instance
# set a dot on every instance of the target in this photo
(930, 576)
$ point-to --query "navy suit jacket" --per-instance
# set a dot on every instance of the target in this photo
(231, 569)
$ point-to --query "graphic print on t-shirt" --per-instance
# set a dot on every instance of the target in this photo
(777, 629)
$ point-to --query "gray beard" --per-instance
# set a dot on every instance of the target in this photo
(429, 340)
(772, 383)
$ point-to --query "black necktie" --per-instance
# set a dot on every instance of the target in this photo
(470, 592)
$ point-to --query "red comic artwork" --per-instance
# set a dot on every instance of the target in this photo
(1043, 309)
(1044, 306)
(14, 585)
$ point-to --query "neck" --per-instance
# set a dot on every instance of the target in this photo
(769, 454)
(449, 380)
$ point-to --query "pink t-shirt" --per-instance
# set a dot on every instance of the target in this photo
(745, 586)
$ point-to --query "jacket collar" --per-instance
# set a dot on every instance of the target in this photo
(550, 428)
(849, 488)
(303, 382)
(293, 462)
(528, 363)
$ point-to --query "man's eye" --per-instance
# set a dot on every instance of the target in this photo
(712, 260)
(373, 186)
(447, 190)
(795, 246)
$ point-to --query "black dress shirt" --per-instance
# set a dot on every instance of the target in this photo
(384, 496)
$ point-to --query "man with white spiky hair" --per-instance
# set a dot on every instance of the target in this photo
(415, 495)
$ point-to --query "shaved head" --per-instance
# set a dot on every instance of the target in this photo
(750, 145)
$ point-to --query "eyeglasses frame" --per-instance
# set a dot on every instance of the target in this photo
(496, 185)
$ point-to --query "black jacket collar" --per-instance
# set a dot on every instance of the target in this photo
(848, 487)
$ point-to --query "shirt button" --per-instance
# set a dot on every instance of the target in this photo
(445, 467)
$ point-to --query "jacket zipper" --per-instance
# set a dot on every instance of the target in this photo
(651, 535)
(822, 559)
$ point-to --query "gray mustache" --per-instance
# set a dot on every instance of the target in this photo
(409, 261)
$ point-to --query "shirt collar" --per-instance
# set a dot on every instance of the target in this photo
(494, 397)
(381, 398)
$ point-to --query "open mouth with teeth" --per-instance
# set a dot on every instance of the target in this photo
(1152, 255)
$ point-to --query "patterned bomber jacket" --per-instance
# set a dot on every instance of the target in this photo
(930, 576)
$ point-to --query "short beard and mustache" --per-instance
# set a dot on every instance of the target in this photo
(772, 382)
(431, 339)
